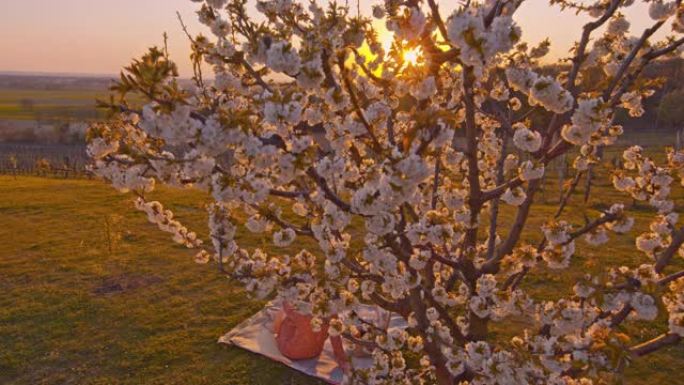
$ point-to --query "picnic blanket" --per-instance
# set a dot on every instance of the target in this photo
(256, 335)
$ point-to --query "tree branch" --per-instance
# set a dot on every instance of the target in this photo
(655, 344)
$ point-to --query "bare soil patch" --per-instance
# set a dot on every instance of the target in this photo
(124, 283)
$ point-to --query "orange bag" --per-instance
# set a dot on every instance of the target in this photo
(297, 340)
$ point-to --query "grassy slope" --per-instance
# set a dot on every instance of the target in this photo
(57, 327)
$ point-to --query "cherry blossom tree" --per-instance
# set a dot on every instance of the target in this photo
(312, 128)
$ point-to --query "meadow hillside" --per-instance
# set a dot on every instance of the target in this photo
(90, 293)
(78, 306)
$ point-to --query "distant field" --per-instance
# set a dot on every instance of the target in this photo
(77, 309)
(54, 97)
(49, 104)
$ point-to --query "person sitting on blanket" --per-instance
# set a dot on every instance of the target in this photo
(297, 340)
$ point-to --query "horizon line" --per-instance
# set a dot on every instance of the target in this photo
(57, 74)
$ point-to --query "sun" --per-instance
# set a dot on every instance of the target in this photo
(412, 56)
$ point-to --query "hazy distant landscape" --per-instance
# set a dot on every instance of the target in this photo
(48, 108)
(43, 120)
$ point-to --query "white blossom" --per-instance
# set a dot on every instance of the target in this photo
(514, 197)
(284, 237)
(526, 139)
(661, 10)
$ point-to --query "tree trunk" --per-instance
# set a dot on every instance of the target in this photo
(431, 348)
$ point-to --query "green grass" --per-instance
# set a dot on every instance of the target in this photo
(58, 324)
(64, 320)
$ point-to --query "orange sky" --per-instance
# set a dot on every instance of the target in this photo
(100, 36)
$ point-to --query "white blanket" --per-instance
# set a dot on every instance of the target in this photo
(256, 335)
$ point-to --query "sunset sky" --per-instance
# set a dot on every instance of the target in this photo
(99, 37)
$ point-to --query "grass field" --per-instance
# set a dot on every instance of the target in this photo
(76, 308)
(71, 312)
